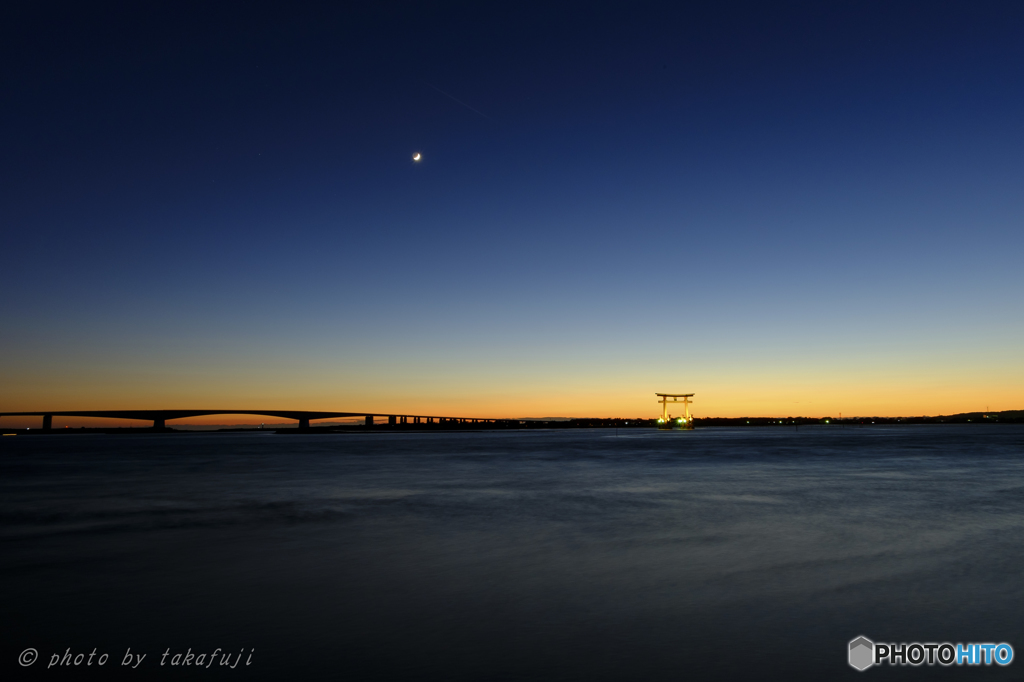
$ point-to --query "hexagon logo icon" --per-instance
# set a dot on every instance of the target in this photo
(862, 653)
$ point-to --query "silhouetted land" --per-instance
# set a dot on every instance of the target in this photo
(1004, 417)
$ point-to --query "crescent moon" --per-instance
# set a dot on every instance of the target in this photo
(417, 156)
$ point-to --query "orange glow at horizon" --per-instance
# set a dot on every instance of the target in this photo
(734, 402)
(467, 382)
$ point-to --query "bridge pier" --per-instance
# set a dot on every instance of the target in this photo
(47, 422)
(369, 420)
(160, 423)
(304, 423)
(391, 420)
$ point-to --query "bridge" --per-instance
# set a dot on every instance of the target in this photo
(161, 417)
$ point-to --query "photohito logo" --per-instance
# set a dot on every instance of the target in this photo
(863, 653)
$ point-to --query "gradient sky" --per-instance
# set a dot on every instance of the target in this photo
(785, 208)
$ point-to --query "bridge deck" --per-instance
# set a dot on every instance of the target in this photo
(160, 417)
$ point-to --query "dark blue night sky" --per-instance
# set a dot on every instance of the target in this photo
(789, 208)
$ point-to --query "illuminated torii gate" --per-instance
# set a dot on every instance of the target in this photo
(684, 422)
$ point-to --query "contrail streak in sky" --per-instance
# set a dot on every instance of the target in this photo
(457, 100)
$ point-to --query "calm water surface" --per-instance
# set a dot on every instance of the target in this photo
(541, 555)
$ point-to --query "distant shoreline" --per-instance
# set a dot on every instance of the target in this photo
(1004, 417)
